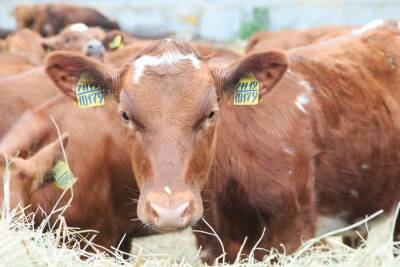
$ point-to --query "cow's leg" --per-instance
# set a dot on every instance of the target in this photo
(209, 245)
(231, 217)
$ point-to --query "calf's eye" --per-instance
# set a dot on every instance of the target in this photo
(211, 115)
(125, 116)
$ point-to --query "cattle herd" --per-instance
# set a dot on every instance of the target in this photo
(297, 136)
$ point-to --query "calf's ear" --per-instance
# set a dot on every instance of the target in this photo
(65, 69)
(267, 67)
(45, 159)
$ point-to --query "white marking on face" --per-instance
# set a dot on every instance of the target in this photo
(369, 26)
(168, 58)
(78, 27)
(301, 101)
(306, 85)
(168, 190)
(354, 193)
(327, 224)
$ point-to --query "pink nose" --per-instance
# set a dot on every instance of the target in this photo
(168, 211)
(169, 218)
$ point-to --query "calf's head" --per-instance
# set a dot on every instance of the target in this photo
(78, 38)
(169, 103)
(25, 176)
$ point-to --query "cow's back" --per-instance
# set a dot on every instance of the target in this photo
(22, 92)
(355, 121)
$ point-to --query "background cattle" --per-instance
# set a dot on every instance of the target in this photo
(25, 43)
(26, 176)
(50, 19)
(22, 92)
(285, 39)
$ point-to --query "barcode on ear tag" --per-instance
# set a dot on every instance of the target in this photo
(88, 92)
(247, 91)
(64, 179)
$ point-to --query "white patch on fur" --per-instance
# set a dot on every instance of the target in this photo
(354, 193)
(288, 150)
(168, 190)
(306, 85)
(78, 27)
(365, 167)
(327, 224)
(301, 101)
(166, 59)
(369, 26)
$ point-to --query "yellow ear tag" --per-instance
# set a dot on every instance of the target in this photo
(116, 42)
(64, 179)
(247, 91)
(88, 93)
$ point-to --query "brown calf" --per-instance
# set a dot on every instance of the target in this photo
(104, 194)
(78, 38)
(169, 104)
(26, 176)
(322, 133)
(50, 19)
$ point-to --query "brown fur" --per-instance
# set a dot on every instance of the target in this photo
(22, 92)
(125, 55)
(286, 39)
(26, 43)
(12, 64)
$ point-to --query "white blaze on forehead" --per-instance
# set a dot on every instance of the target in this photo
(79, 27)
(370, 26)
(168, 58)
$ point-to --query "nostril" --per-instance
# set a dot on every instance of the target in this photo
(151, 211)
(183, 210)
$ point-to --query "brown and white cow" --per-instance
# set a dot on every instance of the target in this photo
(105, 193)
(50, 19)
(322, 144)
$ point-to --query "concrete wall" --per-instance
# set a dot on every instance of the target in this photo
(224, 20)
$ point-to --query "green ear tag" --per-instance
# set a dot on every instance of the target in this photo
(247, 91)
(116, 42)
(88, 93)
(64, 179)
